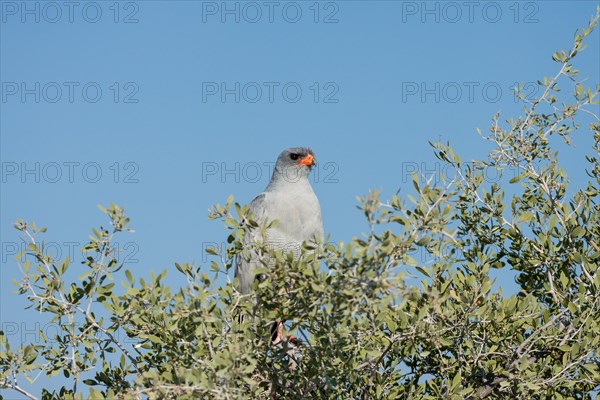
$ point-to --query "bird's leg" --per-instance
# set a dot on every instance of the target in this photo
(277, 332)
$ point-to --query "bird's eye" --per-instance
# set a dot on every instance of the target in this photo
(294, 156)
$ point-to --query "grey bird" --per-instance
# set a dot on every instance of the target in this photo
(289, 199)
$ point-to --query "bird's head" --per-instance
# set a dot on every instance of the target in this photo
(294, 163)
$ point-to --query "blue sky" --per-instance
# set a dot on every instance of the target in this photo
(166, 108)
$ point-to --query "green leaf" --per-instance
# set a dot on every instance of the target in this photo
(64, 266)
(423, 270)
(85, 275)
(129, 277)
(578, 232)
(456, 381)
(526, 217)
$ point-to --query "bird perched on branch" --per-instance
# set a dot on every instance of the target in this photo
(289, 199)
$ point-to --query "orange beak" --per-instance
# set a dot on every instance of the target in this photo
(308, 160)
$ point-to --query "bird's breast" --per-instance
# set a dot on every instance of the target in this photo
(299, 219)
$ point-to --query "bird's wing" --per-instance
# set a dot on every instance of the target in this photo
(245, 263)
(258, 207)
